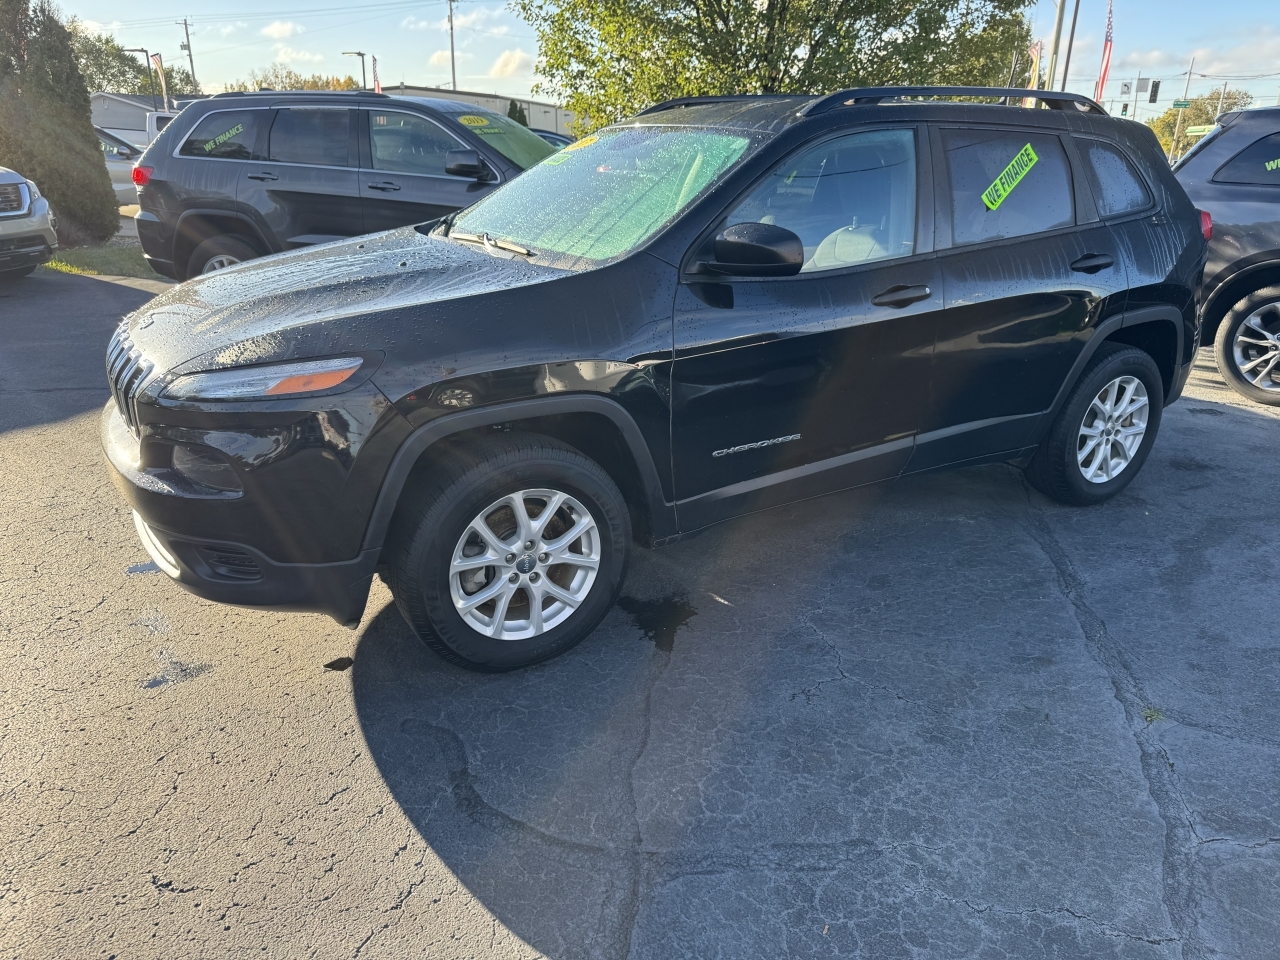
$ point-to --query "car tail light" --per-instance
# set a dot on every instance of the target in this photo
(142, 175)
(1206, 224)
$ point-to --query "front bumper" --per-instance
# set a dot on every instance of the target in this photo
(28, 241)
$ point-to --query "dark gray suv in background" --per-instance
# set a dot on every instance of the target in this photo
(241, 175)
(1234, 174)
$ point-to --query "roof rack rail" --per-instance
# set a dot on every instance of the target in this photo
(310, 93)
(694, 101)
(859, 96)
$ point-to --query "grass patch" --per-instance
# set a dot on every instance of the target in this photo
(1152, 714)
(104, 262)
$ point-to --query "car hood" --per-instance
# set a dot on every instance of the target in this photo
(11, 176)
(322, 300)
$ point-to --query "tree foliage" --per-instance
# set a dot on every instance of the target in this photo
(45, 131)
(1202, 112)
(607, 59)
(106, 66)
(516, 112)
(280, 77)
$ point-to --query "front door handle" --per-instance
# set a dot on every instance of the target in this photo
(386, 186)
(1092, 263)
(901, 295)
(264, 175)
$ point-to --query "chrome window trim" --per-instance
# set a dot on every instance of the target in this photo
(462, 144)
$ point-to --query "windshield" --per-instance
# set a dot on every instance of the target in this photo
(606, 194)
(514, 141)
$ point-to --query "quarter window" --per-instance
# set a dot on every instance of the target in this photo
(317, 137)
(1257, 163)
(403, 143)
(1116, 185)
(226, 135)
(1006, 184)
(851, 200)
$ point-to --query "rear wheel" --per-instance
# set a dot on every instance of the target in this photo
(218, 253)
(510, 553)
(1105, 430)
(1247, 347)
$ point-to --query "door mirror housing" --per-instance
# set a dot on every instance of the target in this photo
(755, 250)
(465, 163)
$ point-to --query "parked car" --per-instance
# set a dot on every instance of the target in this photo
(721, 305)
(557, 140)
(1234, 174)
(240, 175)
(120, 157)
(28, 227)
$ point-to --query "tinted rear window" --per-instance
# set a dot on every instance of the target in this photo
(311, 136)
(227, 135)
(1006, 183)
(1117, 188)
(1257, 163)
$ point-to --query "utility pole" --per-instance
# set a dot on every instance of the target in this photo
(1057, 41)
(1071, 39)
(151, 80)
(1221, 97)
(453, 64)
(1136, 88)
(1177, 129)
(360, 54)
(186, 29)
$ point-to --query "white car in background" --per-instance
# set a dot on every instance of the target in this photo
(27, 237)
(120, 156)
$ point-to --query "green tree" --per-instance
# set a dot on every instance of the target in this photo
(516, 112)
(279, 77)
(106, 66)
(1202, 112)
(607, 59)
(45, 130)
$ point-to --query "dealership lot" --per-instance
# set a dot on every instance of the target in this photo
(939, 718)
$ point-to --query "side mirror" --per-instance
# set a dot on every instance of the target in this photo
(756, 250)
(464, 163)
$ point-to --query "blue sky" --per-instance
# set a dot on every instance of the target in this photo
(496, 50)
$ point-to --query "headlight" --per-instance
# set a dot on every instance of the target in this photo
(277, 380)
(35, 191)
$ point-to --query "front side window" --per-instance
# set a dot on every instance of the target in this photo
(1006, 183)
(404, 143)
(513, 140)
(1257, 163)
(225, 135)
(1116, 185)
(310, 136)
(851, 200)
(606, 194)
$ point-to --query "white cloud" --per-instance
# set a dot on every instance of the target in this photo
(231, 28)
(441, 58)
(512, 63)
(286, 54)
(282, 29)
(94, 26)
(474, 19)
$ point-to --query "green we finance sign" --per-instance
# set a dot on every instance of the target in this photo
(1009, 177)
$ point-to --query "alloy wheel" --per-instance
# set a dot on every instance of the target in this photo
(1112, 429)
(525, 564)
(1256, 348)
(220, 262)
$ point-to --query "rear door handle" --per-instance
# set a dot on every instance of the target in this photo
(1092, 263)
(385, 186)
(264, 175)
(901, 295)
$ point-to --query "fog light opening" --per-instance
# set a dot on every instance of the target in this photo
(206, 468)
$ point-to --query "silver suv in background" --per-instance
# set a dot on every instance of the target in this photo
(27, 237)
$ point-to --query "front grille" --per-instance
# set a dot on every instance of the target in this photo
(231, 563)
(11, 198)
(127, 371)
(22, 243)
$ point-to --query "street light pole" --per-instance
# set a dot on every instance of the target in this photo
(1057, 41)
(360, 54)
(453, 64)
(151, 80)
(1177, 129)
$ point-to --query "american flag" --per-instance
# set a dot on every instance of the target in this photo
(1106, 58)
(377, 84)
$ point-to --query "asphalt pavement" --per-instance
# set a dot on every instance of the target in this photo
(942, 718)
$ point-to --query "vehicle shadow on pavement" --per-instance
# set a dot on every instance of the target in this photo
(54, 329)
(944, 711)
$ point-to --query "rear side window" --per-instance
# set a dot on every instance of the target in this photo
(513, 140)
(1116, 185)
(1257, 163)
(311, 136)
(1006, 183)
(404, 143)
(226, 135)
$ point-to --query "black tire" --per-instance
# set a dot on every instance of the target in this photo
(9, 276)
(1055, 469)
(430, 525)
(224, 247)
(1224, 346)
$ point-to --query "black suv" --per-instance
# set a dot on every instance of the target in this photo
(1234, 175)
(241, 175)
(721, 305)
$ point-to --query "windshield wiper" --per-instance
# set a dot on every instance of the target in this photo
(487, 242)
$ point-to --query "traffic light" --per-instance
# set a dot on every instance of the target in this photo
(1155, 91)
(1124, 109)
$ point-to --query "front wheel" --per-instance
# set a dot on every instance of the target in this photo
(1247, 346)
(509, 552)
(1105, 430)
